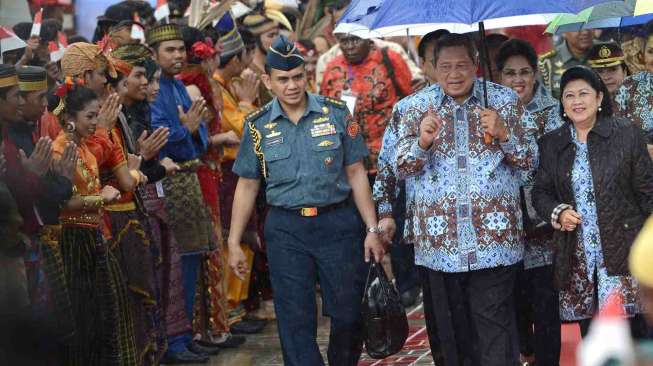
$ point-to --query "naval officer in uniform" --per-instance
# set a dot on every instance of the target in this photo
(571, 52)
(322, 223)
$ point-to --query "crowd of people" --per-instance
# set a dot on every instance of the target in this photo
(163, 197)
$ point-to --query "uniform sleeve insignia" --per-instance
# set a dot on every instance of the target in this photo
(353, 129)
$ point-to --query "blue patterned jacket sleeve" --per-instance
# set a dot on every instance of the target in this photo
(384, 191)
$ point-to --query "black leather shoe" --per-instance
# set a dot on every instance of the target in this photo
(409, 298)
(185, 357)
(232, 341)
(248, 326)
(195, 347)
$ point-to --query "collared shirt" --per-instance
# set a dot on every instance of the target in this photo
(182, 144)
(546, 112)
(371, 84)
(335, 51)
(634, 100)
(467, 212)
(305, 162)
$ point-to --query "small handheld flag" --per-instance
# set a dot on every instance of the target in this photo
(36, 24)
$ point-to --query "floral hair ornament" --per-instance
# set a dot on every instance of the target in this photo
(203, 50)
(62, 90)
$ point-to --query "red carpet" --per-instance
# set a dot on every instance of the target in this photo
(417, 352)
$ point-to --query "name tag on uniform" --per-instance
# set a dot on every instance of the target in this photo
(324, 129)
(273, 134)
(159, 189)
(274, 141)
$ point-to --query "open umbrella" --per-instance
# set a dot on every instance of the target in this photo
(357, 19)
(398, 15)
(607, 15)
(395, 16)
(616, 22)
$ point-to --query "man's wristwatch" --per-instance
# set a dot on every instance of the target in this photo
(374, 230)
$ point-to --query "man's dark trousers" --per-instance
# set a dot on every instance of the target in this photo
(301, 250)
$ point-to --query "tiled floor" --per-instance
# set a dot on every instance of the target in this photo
(264, 349)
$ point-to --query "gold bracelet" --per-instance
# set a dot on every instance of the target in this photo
(92, 202)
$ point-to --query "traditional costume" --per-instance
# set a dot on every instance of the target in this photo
(189, 217)
(39, 198)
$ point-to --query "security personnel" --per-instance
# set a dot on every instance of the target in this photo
(571, 52)
(309, 152)
(608, 60)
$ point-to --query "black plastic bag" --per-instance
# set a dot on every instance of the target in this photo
(384, 317)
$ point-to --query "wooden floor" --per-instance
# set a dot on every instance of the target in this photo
(264, 349)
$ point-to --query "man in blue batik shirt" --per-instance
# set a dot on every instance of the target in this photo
(466, 163)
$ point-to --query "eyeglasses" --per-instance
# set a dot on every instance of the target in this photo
(524, 73)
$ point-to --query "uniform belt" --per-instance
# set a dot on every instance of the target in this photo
(316, 211)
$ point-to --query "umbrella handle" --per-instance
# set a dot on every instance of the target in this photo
(487, 138)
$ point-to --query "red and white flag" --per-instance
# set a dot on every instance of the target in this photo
(162, 10)
(9, 41)
(36, 23)
(609, 337)
(137, 31)
(57, 49)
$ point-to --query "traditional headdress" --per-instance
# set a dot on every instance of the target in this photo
(82, 57)
(231, 39)
(32, 78)
(162, 33)
(130, 55)
(8, 76)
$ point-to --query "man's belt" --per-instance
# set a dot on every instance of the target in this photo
(316, 211)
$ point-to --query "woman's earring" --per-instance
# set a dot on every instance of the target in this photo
(564, 114)
(70, 127)
(600, 109)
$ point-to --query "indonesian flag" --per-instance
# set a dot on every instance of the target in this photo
(137, 31)
(57, 49)
(36, 24)
(162, 10)
(9, 41)
(609, 337)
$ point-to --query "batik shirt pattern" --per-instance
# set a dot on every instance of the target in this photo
(577, 297)
(634, 100)
(546, 113)
(467, 213)
(386, 186)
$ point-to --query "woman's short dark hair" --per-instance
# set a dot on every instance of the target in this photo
(76, 100)
(516, 47)
(456, 40)
(190, 36)
(592, 78)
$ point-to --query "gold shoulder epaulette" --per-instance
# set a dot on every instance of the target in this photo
(547, 54)
(335, 102)
(256, 113)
